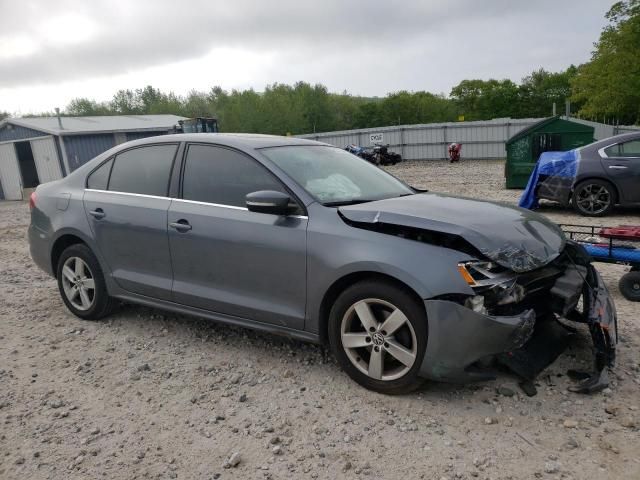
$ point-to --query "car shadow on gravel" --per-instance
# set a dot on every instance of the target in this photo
(146, 324)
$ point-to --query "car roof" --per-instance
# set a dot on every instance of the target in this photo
(623, 137)
(243, 141)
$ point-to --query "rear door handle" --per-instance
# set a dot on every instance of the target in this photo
(618, 167)
(181, 226)
(98, 213)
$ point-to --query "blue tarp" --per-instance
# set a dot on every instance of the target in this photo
(557, 164)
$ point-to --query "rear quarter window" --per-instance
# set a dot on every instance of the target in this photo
(99, 178)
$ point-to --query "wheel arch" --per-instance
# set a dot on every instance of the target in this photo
(601, 179)
(61, 243)
(338, 286)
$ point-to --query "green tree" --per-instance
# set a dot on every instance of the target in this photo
(609, 85)
(486, 99)
(540, 90)
(198, 104)
(86, 107)
(126, 102)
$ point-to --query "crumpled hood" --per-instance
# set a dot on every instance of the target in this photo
(512, 237)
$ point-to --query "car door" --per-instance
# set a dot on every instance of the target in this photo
(622, 162)
(126, 202)
(227, 259)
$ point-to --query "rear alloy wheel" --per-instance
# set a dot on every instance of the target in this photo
(594, 198)
(629, 286)
(78, 283)
(378, 333)
(81, 283)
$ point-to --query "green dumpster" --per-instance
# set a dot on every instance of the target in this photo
(552, 134)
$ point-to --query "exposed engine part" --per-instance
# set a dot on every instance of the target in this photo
(476, 304)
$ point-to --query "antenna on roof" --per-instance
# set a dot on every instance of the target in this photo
(59, 118)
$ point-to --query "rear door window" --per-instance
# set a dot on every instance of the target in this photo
(99, 178)
(144, 170)
(626, 149)
(223, 176)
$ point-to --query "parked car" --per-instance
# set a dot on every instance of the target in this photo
(303, 239)
(378, 154)
(607, 174)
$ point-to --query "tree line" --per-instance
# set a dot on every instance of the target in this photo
(605, 88)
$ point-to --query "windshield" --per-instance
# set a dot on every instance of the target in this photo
(335, 177)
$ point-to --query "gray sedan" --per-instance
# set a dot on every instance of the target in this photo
(607, 174)
(306, 240)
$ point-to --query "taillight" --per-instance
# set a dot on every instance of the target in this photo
(32, 200)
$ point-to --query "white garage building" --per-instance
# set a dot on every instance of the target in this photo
(41, 149)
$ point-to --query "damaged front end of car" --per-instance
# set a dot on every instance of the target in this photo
(526, 283)
(512, 319)
(523, 280)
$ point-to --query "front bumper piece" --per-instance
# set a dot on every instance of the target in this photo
(460, 338)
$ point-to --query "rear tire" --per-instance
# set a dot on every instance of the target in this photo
(378, 333)
(594, 198)
(81, 283)
(629, 286)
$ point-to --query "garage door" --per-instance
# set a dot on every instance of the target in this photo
(9, 172)
(45, 155)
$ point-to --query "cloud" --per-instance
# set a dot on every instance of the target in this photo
(364, 46)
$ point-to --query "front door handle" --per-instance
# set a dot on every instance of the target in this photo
(618, 167)
(98, 213)
(181, 226)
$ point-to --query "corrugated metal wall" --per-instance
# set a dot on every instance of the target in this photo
(15, 132)
(480, 140)
(602, 130)
(82, 148)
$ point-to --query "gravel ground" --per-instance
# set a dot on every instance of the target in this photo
(146, 394)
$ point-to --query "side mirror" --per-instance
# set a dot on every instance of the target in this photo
(268, 201)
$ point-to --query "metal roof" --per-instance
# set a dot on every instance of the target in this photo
(106, 123)
(580, 127)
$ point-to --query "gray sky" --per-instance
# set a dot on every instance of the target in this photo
(53, 51)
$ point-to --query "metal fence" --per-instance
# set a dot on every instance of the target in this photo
(480, 140)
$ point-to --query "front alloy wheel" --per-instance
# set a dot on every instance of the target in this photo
(378, 334)
(378, 339)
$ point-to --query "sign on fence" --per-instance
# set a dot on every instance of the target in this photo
(375, 138)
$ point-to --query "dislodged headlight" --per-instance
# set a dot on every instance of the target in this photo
(479, 273)
(494, 284)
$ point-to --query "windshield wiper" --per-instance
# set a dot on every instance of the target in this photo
(354, 201)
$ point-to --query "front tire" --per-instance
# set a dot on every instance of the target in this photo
(594, 198)
(378, 333)
(629, 286)
(81, 283)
